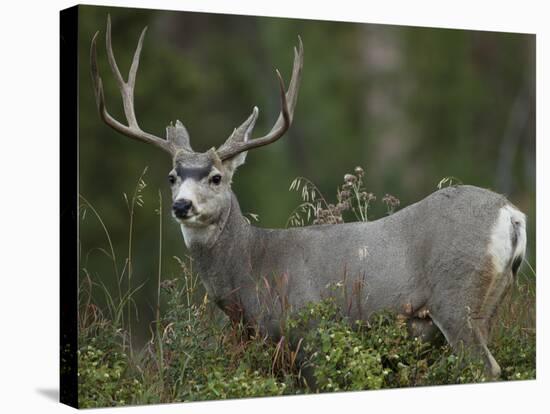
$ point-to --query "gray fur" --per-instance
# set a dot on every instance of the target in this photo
(425, 257)
(408, 257)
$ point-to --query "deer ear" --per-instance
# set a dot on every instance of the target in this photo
(240, 134)
(231, 164)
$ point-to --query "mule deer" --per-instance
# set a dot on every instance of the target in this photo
(446, 260)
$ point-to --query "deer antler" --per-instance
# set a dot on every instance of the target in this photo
(131, 130)
(239, 140)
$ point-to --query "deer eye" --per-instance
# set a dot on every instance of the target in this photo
(171, 179)
(216, 179)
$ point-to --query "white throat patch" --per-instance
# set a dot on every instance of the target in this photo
(197, 235)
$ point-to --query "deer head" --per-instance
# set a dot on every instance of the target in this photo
(200, 182)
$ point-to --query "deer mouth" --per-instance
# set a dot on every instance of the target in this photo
(191, 219)
(184, 217)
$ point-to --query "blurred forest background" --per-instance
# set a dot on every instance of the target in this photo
(410, 105)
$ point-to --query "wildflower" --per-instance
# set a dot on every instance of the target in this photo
(345, 194)
(350, 178)
(391, 201)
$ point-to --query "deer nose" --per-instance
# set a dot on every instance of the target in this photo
(181, 207)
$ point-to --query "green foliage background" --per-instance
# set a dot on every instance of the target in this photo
(411, 105)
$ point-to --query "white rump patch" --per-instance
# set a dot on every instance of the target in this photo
(510, 221)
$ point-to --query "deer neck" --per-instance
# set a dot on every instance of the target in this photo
(222, 256)
(205, 238)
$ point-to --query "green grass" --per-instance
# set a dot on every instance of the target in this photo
(203, 357)
(195, 353)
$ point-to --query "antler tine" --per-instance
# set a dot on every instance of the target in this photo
(126, 92)
(111, 56)
(288, 103)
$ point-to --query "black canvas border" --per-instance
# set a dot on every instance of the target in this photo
(68, 127)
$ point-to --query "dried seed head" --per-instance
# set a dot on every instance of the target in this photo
(391, 201)
(345, 194)
(350, 178)
(168, 284)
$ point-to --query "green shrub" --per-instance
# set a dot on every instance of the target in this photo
(516, 353)
(337, 354)
(204, 357)
(403, 357)
(380, 354)
(103, 376)
(207, 358)
(221, 384)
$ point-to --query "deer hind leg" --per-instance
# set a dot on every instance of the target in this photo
(466, 319)
(500, 284)
(464, 331)
(504, 256)
(465, 316)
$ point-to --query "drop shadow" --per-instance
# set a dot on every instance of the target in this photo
(50, 393)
